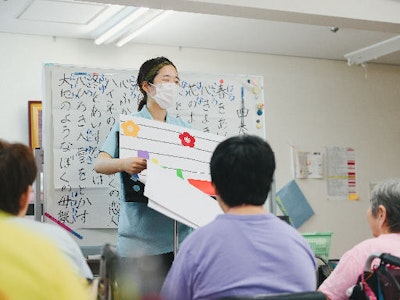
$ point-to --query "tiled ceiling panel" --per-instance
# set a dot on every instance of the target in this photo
(79, 13)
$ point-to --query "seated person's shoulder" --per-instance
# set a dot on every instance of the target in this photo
(46, 229)
(27, 260)
(61, 239)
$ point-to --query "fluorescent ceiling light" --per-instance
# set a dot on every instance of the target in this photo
(374, 51)
(121, 25)
(143, 28)
(105, 15)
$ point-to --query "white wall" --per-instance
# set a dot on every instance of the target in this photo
(309, 103)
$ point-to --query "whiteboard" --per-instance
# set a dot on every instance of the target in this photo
(80, 106)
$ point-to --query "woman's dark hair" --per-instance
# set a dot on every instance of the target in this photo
(147, 72)
(17, 172)
(242, 169)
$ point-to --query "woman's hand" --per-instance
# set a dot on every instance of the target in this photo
(133, 165)
(106, 164)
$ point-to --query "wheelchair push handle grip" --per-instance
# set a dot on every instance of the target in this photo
(390, 259)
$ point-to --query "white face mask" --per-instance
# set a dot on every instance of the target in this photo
(166, 94)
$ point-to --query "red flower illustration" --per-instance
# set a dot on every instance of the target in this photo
(187, 139)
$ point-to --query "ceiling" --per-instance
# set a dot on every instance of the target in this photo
(307, 28)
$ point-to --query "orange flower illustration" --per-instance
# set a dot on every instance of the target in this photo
(187, 139)
(130, 128)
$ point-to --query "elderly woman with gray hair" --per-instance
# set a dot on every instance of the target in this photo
(383, 216)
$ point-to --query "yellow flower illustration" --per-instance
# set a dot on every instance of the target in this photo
(130, 128)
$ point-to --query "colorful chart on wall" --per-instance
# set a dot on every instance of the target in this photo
(80, 106)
